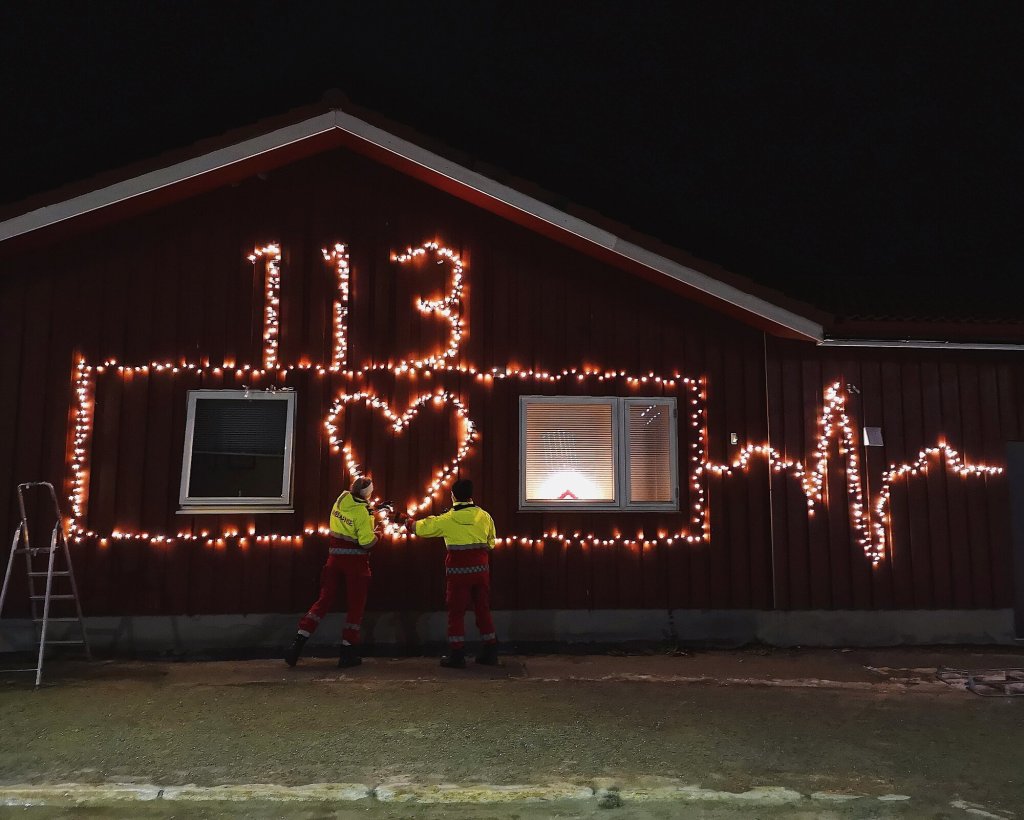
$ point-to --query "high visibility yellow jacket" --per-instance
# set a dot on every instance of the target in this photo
(464, 526)
(351, 521)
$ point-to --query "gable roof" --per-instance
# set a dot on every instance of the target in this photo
(334, 123)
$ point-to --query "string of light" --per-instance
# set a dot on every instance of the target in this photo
(870, 530)
(271, 254)
(812, 480)
(449, 306)
(85, 407)
(944, 453)
(442, 476)
(834, 422)
(338, 257)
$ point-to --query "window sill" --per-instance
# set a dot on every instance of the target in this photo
(252, 510)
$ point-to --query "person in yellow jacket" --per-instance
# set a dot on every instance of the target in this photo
(468, 533)
(352, 537)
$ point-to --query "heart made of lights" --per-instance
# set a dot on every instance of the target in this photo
(442, 476)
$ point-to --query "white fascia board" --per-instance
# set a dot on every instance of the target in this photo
(161, 178)
(721, 290)
(920, 344)
(578, 227)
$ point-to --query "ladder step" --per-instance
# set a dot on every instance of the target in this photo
(52, 597)
(56, 620)
(65, 643)
(62, 574)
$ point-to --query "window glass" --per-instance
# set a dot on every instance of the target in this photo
(238, 449)
(650, 431)
(570, 452)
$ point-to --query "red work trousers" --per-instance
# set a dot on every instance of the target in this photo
(460, 591)
(356, 569)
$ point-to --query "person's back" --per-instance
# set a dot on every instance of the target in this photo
(351, 522)
(469, 536)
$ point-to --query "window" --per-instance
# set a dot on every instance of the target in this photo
(238, 451)
(598, 453)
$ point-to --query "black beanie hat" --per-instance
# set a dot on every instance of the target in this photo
(462, 490)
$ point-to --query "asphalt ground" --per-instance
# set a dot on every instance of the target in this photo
(652, 735)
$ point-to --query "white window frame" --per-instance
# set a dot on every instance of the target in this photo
(620, 456)
(225, 504)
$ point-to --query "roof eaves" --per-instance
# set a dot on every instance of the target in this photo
(155, 180)
(222, 156)
(945, 328)
(587, 231)
(922, 344)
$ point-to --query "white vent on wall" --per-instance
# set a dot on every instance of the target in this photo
(873, 436)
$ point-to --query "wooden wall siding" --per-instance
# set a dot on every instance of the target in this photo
(949, 545)
(174, 285)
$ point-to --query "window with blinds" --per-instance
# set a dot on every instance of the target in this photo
(604, 453)
(238, 448)
(649, 452)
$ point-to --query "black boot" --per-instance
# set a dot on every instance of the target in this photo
(294, 652)
(348, 657)
(455, 659)
(488, 655)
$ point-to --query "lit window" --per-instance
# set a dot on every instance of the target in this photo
(238, 451)
(598, 453)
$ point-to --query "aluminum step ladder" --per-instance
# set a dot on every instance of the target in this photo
(21, 545)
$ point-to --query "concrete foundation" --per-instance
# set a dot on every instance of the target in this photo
(411, 631)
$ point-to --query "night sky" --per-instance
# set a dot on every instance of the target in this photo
(862, 158)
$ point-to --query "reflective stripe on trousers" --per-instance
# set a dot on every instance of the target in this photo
(465, 570)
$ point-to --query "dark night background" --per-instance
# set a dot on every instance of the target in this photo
(863, 157)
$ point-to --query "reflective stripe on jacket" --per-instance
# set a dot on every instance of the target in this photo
(351, 521)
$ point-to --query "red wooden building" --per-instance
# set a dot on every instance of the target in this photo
(202, 351)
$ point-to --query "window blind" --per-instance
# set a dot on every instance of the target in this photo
(240, 427)
(570, 453)
(649, 436)
(238, 450)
